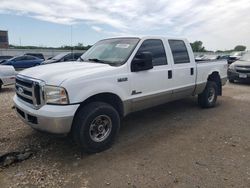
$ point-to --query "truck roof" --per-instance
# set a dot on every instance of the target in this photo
(150, 37)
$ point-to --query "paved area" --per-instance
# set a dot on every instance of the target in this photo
(173, 145)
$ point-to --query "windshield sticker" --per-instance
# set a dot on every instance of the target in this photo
(122, 45)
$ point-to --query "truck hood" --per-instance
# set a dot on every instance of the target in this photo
(242, 63)
(55, 74)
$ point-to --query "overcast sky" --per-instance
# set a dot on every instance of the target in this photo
(220, 24)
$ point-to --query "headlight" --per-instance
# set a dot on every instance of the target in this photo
(55, 95)
(232, 67)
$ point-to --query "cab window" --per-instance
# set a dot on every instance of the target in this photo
(156, 48)
(179, 51)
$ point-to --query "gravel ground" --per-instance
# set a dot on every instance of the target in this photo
(173, 145)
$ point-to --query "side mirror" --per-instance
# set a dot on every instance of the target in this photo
(141, 62)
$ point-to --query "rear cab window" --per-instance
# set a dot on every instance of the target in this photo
(179, 51)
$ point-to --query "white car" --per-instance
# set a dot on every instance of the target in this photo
(7, 75)
(115, 77)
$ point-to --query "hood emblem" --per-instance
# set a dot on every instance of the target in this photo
(20, 90)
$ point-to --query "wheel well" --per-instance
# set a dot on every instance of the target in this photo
(110, 98)
(215, 77)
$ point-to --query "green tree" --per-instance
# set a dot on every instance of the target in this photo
(240, 48)
(197, 46)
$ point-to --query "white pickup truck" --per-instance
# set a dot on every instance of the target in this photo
(115, 77)
(7, 75)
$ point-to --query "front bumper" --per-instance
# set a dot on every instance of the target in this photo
(49, 118)
(233, 75)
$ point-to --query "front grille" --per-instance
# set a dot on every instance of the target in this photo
(29, 90)
(243, 69)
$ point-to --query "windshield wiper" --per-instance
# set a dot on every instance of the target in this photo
(96, 60)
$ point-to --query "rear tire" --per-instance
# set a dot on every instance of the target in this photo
(208, 98)
(96, 126)
(231, 80)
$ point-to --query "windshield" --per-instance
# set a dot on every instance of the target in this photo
(59, 56)
(245, 57)
(111, 51)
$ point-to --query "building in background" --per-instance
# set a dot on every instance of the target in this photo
(4, 39)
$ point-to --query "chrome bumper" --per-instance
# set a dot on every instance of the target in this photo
(49, 118)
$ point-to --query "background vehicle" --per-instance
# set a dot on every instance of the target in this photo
(206, 57)
(4, 58)
(115, 77)
(63, 57)
(240, 70)
(38, 55)
(22, 62)
(234, 56)
(7, 75)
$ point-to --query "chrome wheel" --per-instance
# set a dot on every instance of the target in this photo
(211, 95)
(100, 128)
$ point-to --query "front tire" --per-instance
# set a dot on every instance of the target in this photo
(231, 80)
(96, 126)
(208, 98)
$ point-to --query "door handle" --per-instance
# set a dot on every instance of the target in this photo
(170, 74)
(192, 71)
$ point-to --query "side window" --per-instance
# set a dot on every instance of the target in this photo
(76, 55)
(68, 57)
(155, 46)
(20, 58)
(30, 58)
(179, 51)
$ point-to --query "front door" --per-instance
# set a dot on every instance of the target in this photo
(149, 88)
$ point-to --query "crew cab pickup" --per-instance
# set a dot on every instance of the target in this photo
(113, 78)
(7, 75)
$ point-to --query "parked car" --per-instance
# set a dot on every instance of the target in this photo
(7, 75)
(38, 55)
(206, 57)
(240, 70)
(4, 58)
(22, 62)
(224, 57)
(63, 57)
(114, 78)
(235, 56)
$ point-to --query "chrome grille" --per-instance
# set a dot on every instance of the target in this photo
(30, 91)
(243, 69)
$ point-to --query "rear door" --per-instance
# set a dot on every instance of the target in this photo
(150, 87)
(184, 69)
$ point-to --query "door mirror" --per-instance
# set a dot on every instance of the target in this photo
(141, 62)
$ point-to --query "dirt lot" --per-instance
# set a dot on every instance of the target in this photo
(174, 145)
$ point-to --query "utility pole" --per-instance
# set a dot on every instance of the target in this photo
(20, 41)
(71, 38)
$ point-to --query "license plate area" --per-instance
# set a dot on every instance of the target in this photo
(242, 75)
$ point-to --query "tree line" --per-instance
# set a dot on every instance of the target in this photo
(197, 46)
